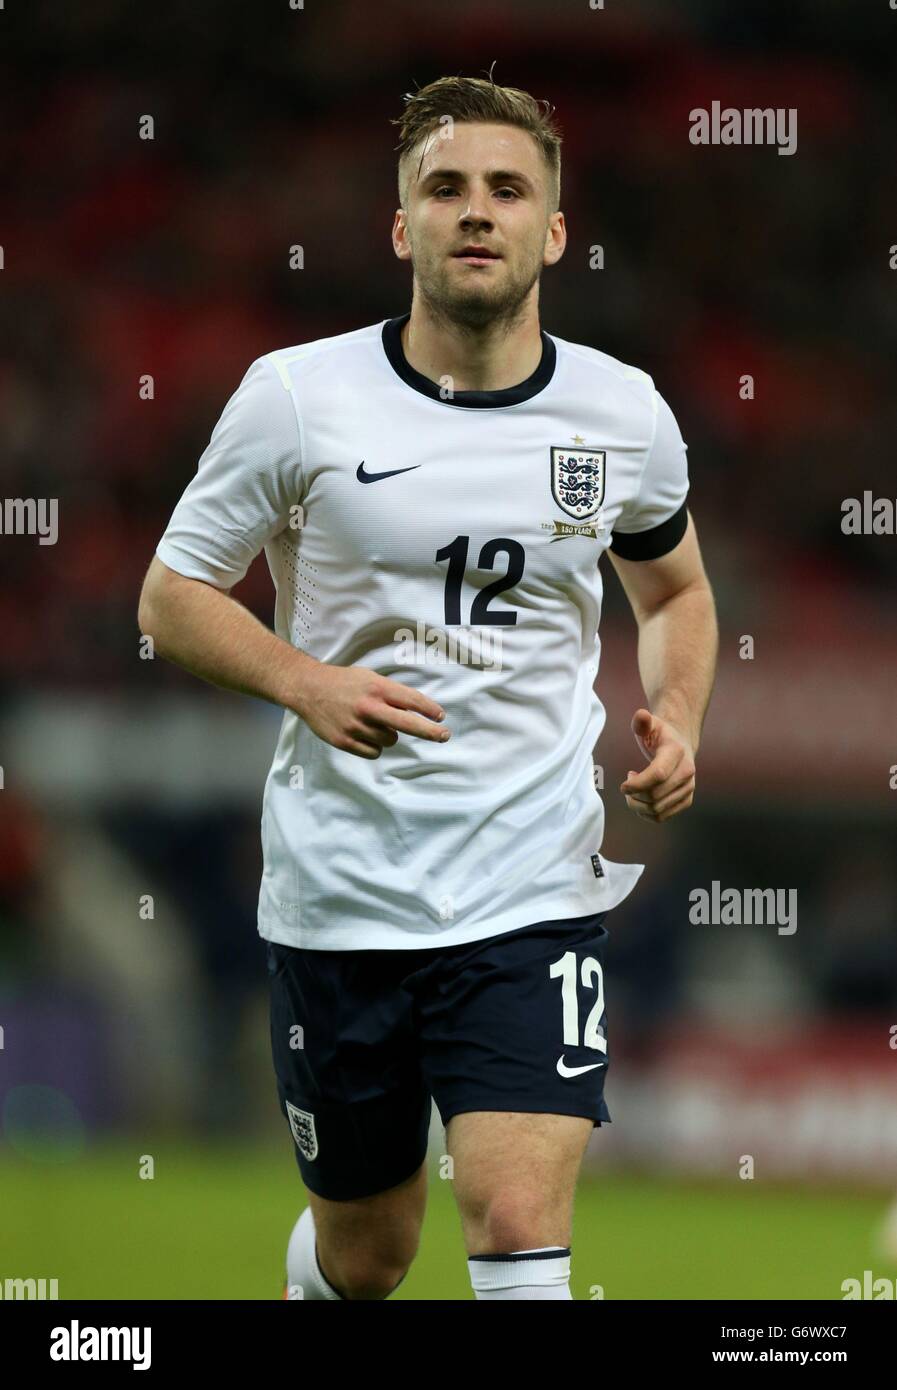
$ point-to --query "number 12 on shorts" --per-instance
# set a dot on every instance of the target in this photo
(565, 969)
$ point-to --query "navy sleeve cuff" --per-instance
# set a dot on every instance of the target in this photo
(653, 543)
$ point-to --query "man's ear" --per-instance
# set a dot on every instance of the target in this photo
(555, 239)
(400, 235)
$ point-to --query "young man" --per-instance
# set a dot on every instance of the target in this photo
(433, 494)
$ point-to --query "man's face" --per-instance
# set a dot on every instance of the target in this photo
(485, 187)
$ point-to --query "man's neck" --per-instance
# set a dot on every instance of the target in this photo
(491, 358)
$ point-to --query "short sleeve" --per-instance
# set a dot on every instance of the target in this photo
(654, 521)
(248, 478)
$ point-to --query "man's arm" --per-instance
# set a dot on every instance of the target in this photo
(677, 650)
(210, 634)
(203, 629)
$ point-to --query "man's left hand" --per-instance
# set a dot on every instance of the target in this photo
(667, 785)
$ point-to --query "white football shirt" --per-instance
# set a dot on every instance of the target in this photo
(450, 542)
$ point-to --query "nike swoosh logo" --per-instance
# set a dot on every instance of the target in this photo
(564, 1070)
(375, 477)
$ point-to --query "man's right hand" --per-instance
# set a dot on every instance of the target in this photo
(361, 712)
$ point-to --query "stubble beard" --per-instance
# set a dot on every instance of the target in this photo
(474, 308)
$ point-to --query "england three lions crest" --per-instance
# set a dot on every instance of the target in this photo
(577, 480)
(302, 1123)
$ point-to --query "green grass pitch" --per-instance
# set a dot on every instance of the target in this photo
(213, 1224)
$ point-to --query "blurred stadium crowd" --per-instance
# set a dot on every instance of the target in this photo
(170, 257)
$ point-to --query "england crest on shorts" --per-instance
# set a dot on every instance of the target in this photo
(577, 480)
(303, 1126)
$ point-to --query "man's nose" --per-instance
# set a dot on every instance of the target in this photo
(477, 209)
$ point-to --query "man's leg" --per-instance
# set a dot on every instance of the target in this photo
(514, 1181)
(359, 1113)
(359, 1249)
(514, 1053)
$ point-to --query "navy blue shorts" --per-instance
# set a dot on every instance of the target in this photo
(362, 1040)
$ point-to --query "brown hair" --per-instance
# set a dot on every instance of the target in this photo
(477, 99)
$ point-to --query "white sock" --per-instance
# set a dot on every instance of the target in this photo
(304, 1277)
(543, 1273)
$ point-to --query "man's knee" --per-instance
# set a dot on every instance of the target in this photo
(367, 1271)
(522, 1219)
(366, 1253)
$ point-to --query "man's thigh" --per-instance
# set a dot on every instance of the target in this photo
(515, 1177)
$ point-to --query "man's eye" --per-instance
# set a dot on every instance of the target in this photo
(446, 188)
(512, 191)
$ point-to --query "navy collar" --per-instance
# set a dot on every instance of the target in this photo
(509, 395)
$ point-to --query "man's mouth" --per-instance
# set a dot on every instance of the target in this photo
(476, 255)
